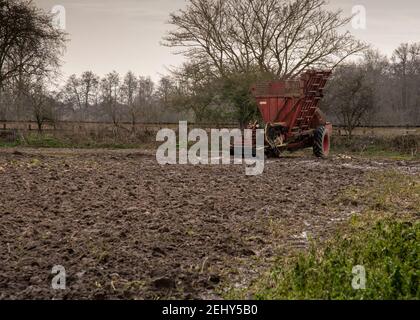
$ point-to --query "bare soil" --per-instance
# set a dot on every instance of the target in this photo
(125, 227)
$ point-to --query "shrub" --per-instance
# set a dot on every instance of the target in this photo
(389, 252)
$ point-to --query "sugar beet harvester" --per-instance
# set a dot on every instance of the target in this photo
(290, 110)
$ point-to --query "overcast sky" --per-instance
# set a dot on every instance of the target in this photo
(125, 35)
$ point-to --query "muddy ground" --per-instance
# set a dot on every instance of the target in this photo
(124, 227)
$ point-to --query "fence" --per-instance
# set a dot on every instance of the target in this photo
(72, 126)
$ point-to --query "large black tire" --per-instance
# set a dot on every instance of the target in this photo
(322, 141)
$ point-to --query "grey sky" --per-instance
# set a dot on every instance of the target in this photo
(124, 35)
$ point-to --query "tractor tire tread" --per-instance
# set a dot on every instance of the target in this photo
(319, 141)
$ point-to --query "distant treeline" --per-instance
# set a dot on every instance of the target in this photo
(377, 90)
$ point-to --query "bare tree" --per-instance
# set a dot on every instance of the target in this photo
(30, 48)
(350, 95)
(377, 76)
(89, 87)
(165, 88)
(82, 92)
(145, 98)
(237, 41)
(129, 94)
(110, 93)
(30, 44)
(73, 92)
(406, 64)
(279, 37)
(40, 102)
(192, 90)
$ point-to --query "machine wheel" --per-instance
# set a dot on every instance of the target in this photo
(321, 142)
(272, 153)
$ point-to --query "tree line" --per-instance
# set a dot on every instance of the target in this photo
(229, 45)
(376, 90)
(115, 98)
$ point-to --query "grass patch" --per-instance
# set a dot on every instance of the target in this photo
(44, 140)
(397, 148)
(7, 144)
(384, 239)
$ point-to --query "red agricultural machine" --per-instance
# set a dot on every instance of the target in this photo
(290, 110)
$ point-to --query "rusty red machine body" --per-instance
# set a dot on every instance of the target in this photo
(291, 114)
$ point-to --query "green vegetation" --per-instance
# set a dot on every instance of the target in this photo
(384, 239)
(37, 140)
(397, 148)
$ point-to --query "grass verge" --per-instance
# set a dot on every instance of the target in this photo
(384, 239)
(37, 140)
(396, 148)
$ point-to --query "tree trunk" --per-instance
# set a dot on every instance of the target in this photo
(349, 129)
(39, 124)
(133, 122)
